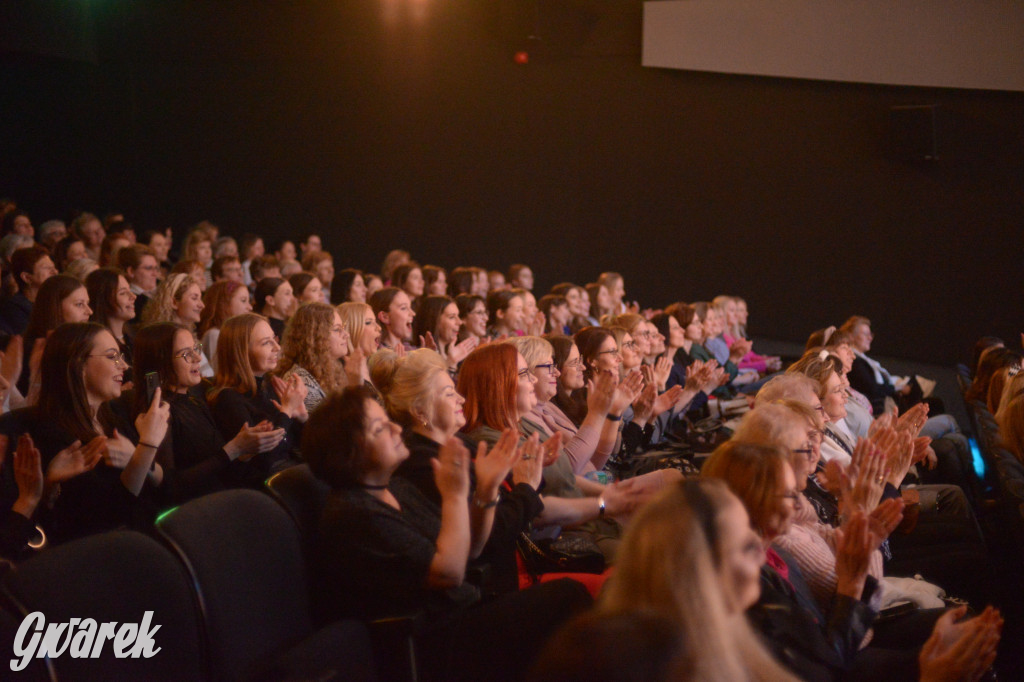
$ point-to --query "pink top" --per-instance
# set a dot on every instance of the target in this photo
(580, 445)
(749, 361)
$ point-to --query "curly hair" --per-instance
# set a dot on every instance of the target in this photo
(306, 343)
(161, 307)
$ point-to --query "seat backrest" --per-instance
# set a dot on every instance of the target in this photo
(246, 559)
(113, 577)
(304, 496)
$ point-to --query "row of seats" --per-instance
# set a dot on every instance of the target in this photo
(1007, 470)
(227, 581)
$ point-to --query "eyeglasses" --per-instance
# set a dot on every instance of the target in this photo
(643, 335)
(525, 374)
(195, 353)
(806, 452)
(550, 367)
(630, 345)
(113, 357)
(574, 364)
(615, 351)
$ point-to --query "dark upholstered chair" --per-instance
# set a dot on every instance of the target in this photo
(113, 577)
(245, 555)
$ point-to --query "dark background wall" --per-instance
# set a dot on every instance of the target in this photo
(387, 123)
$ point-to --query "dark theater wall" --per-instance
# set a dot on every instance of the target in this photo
(386, 123)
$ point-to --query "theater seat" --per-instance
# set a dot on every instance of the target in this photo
(303, 495)
(245, 556)
(113, 577)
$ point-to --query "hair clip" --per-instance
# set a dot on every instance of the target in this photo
(823, 355)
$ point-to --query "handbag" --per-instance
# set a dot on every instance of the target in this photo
(568, 553)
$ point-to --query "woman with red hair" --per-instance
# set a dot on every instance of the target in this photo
(498, 387)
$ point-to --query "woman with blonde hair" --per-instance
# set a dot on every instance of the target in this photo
(222, 300)
(314, 344)
(178, 299)
(691, 557)
(246, 393)
(363, 334)
(420, 396)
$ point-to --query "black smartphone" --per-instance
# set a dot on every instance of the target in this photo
(152, 383)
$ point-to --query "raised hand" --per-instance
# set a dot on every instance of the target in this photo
(252, 440)
(601, 393)
(662, 368)
(961, 651)
(451, 470)
(535, 327)
(627, 392)
(356, 369)
(551, 449)
(28, 472)
(428, 341)
(854, 545)
(643, 406)
(12, 359)
(868, 473)
(885, 518)
(457, 352)
(75, 460)
(913, 420)
(119, 451)
(666, 400)
(529, 469)
(292, 395)
(152, 424)
(493, 466)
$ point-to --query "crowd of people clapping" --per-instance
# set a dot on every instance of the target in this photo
(501, 458)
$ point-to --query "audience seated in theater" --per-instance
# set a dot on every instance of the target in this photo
(90, 230)
(473, 315)
(436, 326)
(505, 314)
(321, 264)
(195, 457)
(97, 478)
(30, 267)
(245, 391)
(178, 299)
(307, 288)
(385, 549)
(314, 345)
(393, 310)
(275, 300)
(222, 300)
(348, 287)
(113, 306)
(692, 562)
(498, 387)
(420, 396)
(409, 278)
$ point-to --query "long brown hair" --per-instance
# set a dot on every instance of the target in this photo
(217, 302)
(234, 364)
(62, 396)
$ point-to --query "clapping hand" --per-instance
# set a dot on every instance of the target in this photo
(292, 394)
(961, 651)
(74, 460)
(529, 469)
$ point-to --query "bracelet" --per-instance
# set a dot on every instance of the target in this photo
(147, 445)
(486, 505)
(600, 506)
(613, 417)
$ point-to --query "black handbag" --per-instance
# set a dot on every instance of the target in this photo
(568, 553)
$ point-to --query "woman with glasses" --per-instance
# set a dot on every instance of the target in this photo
(178, 299)
(222, 300)
(195, 457)
(499, 390)
(315, 344)
(97, 479)
(473, 314)
(246, 393)
(113, 306)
